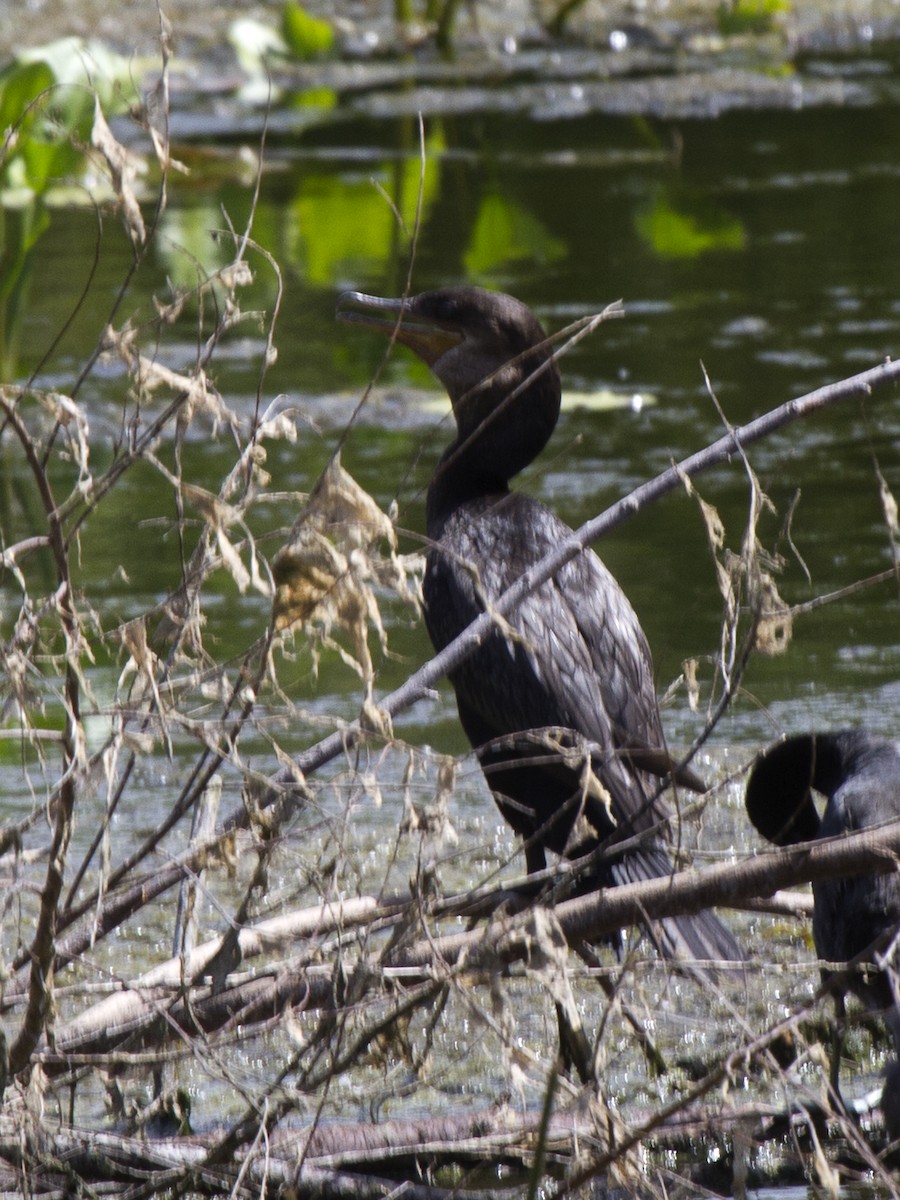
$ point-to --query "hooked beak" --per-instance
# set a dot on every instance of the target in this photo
(393, 318)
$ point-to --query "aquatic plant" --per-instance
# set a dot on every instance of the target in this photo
(52, 100)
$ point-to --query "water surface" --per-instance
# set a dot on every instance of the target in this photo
(760, 247)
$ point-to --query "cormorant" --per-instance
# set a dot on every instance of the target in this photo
(558, 702)
(859, 776)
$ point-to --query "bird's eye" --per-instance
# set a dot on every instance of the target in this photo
(448, 309)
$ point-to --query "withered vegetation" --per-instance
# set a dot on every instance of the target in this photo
(198, 915)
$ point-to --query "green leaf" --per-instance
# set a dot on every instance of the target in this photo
(20, 86)
(47, 96)
(306, 36)
(750, 16)
(84, 69)
(38, 152)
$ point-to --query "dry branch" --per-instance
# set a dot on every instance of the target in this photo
(287, 788)
(130, 1019)
(364, 1160)
(356, 1161)
(42, 950)
(589, 918)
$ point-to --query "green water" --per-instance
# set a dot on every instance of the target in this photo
(762, 245)
(796, 288)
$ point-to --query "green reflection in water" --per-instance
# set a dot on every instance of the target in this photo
(673, 228)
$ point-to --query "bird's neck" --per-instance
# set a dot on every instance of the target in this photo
(456, 482)
(495, 441)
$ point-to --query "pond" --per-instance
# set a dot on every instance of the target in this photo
(749, 226)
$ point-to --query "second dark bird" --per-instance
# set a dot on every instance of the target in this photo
(559, 702)
(858, 774)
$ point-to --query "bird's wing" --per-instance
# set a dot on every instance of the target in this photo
(536, 670)
(573, 653)
(617, 650)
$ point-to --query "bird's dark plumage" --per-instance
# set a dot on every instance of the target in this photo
(559, 703)
(859, 776)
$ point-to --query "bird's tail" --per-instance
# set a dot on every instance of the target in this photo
(698, 940)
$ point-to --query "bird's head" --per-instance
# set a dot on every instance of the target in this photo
(481, 345)
(779, 794)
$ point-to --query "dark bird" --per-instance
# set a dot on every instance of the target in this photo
(858, 774)
(558, 702)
